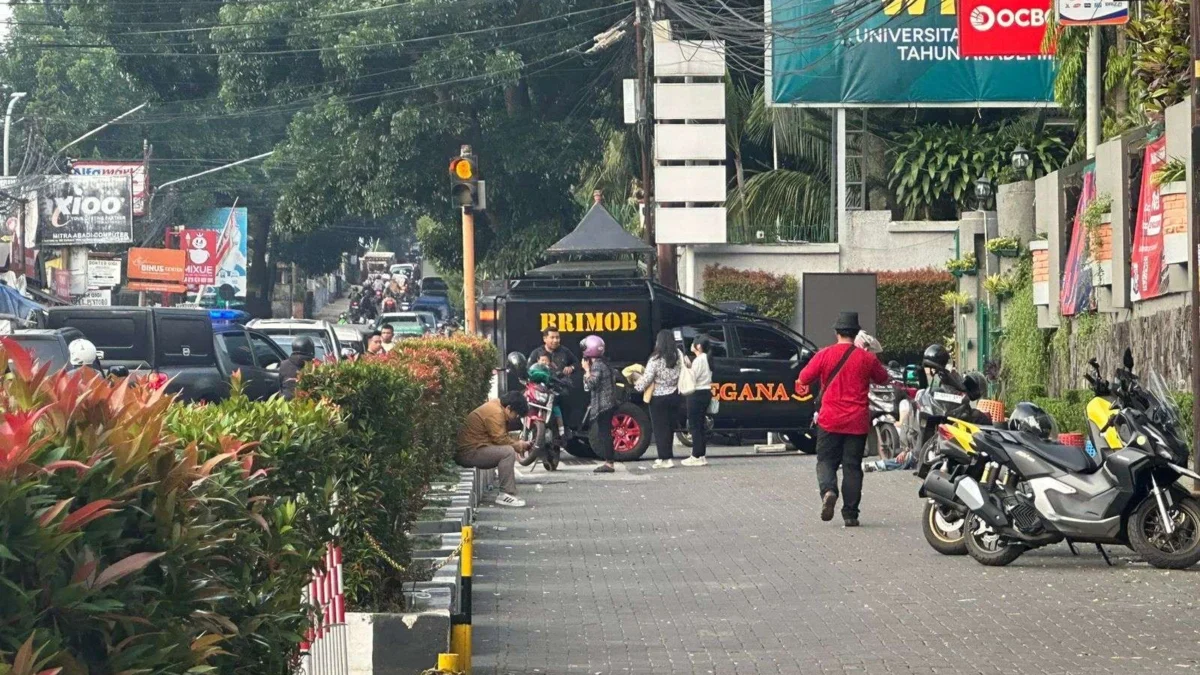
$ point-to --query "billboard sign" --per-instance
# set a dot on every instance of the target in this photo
(96, 298)
(902, 53)
(62, 283)
(156, 264)
(1002, 27)
(155, 287)
(1092, 12)
(135, 170)
(1147, 268)
(83, 210)
(20, 223)
(201, 249)
(230, 226)
(103, 273)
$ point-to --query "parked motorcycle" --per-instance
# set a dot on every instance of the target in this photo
(1034, 493)
(539, 426)
(885, 401)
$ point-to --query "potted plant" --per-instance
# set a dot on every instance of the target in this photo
(999, 286)
(966, 265)
(1005, 247)
(958, 300)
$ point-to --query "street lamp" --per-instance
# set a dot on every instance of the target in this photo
(1020, 159)
(12, 101)
(983, 191)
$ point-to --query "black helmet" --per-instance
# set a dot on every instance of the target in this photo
(517, 363)
(975, 385)
(1032, 419)
(304, 346)
(935, 356)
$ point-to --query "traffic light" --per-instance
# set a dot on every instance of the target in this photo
(465, 186)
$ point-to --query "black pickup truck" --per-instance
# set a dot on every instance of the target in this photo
(755, 360)
(182, 344)
(47, 346)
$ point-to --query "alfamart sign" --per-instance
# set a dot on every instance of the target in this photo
(898, 53)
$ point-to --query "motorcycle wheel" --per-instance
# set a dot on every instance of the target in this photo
(552, 458)
(1149, 539)
(884, 441)
(533, 435)
(943, 529)
(984, 545)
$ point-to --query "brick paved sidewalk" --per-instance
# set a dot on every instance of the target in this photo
(727, 570)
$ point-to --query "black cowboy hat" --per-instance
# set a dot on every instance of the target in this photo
(847, 323)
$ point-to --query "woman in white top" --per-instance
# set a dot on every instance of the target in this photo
(662, 370)
(698, 401)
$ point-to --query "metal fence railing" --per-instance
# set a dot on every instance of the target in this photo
(325, 650)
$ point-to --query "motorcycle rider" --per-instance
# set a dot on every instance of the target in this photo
(600, 381)
(561, 359)
(303, 353)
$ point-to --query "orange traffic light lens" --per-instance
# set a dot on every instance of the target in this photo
(463, 169)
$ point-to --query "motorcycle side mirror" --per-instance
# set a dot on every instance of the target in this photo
(1127, 359)
(349, 352)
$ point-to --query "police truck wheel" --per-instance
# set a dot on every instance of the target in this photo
(804, 441)
(631, 433)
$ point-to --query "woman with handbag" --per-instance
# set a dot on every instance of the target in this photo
(660, 385)
(698, 401)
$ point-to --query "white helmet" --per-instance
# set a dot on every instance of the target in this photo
(83, 352)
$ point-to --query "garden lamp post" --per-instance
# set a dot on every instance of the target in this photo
(1020, 159)
(983, 191)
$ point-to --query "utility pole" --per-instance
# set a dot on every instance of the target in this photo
(1093, 90)
(12, 102)
(643, 32)
(1194, 235)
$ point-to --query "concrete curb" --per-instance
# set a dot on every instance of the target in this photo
(409, 643)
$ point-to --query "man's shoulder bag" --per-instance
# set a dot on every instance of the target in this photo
(832, 375)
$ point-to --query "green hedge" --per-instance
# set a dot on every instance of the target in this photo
(138, 535)
(911, 313)
(773, 294)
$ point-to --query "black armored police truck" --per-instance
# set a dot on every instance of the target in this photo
(755, 360)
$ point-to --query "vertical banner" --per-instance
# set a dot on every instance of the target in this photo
(1075, 294)
(62, 283)
(230, 227)
(1147, 268)
(201, 248)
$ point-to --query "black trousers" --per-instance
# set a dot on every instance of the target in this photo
(662, 420)
(604, 434)
(846, 451)
(697, 406)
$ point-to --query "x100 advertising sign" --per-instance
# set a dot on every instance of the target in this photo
(1003, 27)
(895, 53)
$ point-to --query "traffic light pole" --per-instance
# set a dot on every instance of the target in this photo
(468, 227)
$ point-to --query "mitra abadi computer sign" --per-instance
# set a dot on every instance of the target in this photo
(1003, 28)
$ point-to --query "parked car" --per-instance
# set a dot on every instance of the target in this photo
(407, 324)
(313, 328)
(352, 336)
(48, 345)
(196, 358)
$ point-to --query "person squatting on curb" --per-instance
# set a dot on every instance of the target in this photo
(484, 443)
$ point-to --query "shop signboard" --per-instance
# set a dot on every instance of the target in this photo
(156, 264)
(1092, 12)
(103, 273)
(101, 297)
(1003, 28)
(229, 224)
(84, 210)
(201, 249)
(135, 170)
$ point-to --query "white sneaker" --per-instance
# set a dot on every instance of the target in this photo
(664, 464)
(505, 499)
(695, 461)
(658, 464)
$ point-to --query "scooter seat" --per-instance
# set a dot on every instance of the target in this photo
(1068, 457)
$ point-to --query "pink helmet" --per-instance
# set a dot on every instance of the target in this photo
(592, 346)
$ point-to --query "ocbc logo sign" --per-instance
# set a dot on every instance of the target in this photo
(983, 18)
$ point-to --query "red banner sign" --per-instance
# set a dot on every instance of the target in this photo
(1146, 269)
(62, 284)
(1003, 27)
(201, 249)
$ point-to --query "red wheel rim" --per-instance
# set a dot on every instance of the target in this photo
(626, 432)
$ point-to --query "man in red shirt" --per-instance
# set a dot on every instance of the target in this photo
(844, 374)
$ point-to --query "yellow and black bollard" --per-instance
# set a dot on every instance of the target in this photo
(460, 623)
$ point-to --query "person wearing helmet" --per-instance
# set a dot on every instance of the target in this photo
(844, 374)
(600, 381)
(83, 353)
(303, 352)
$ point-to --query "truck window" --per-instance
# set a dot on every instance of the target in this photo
(716, 340)
(238, 348)
(763, 343)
